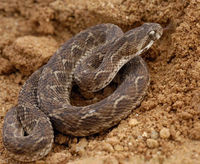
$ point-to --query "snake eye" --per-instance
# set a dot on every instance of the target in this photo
(152, 35)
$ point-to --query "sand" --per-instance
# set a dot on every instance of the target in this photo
(165, 128)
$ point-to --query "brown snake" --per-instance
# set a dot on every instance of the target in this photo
(90, 59)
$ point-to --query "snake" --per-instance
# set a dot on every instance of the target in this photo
(91, 60)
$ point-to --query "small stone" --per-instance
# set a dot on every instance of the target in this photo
(139, 138)
(151, 143)
(164, 133)
(145, 134)
(80, 147)
(133, 122)
(154, 134)
(130, 144)
(118, 147)
(82, 143)
(61, 157)
(108, 147)
(113, 140)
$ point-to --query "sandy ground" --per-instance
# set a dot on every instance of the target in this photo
(165, 128)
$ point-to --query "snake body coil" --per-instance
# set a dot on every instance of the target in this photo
(91, 59)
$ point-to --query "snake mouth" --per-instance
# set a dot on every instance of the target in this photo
(155, 35)
(158, 35)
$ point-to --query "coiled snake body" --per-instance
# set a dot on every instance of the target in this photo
(91, 59)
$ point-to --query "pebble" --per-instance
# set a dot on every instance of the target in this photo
(108, 147)
(61, 157)
(113, 140)
(133, 122)
(82, 144)
(151, 143)
(79, 148)
(118, 147)
(154, 134)
(164, 133)
(145, 134)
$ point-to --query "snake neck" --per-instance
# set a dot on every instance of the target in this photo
(95, 74)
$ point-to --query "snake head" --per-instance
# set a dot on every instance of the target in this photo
(154, 30)
(142, 37)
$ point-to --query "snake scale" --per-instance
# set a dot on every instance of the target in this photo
(91, 59)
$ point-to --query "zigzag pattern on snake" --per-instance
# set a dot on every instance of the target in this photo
(91, 59)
